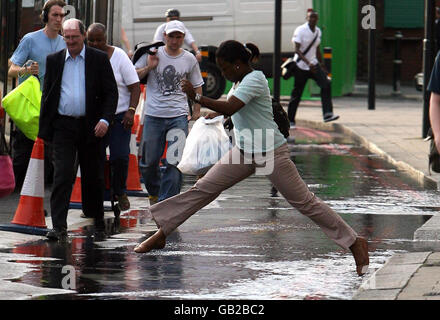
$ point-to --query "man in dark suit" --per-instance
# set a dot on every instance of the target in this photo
(79, 101)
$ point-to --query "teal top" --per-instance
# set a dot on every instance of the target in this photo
(254, 128)
(36, 46)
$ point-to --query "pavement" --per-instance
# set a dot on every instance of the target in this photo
(393, 130)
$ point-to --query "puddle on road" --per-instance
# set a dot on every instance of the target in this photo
(247, 244)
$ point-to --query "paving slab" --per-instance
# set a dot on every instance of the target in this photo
(404, 259)
(425, 285)
(429, 231)
(433, 260)
(10, 240)
(391, 277)
(377, 294)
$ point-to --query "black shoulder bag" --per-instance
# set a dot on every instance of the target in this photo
(289, 67)
(279, 116)
(142, 48)
(434, 156)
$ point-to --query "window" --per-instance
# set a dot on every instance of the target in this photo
(406, 14)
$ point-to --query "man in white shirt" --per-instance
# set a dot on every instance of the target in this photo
(129, 90)
(166, 111)
(174, 14)
(310, 66)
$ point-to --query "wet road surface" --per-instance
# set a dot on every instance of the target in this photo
(247, 244)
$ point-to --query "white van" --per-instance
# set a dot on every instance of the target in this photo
(214, 21)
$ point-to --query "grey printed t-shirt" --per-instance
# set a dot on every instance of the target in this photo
(165, 98)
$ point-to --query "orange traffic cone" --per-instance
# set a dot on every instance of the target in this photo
(75, 198)
(76, 192)
(29, 216)
(134, 187)
(129, 220)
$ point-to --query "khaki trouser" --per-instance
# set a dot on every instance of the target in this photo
(171, 213)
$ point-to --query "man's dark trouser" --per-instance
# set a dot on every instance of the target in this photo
(118, 139)
(301, 77)
(21, 154)
(70, 138)
(22, 151)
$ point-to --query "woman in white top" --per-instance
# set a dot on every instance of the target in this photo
(260, 149)
(129, 91)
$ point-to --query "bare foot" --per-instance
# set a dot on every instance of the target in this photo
(359, 249)
(156, 241)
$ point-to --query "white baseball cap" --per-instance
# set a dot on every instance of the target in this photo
(175, 26)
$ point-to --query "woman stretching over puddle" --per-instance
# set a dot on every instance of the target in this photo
(250, 106)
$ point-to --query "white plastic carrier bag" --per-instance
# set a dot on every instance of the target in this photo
(205, 145)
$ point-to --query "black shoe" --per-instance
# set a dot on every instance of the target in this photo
(274, 192)
(57, 235)
(86, 216)
(99, 235)
(330, 117)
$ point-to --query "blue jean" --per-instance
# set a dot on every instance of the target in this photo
(156, 132)
(119, 141)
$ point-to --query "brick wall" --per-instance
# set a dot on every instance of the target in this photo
(411, 52)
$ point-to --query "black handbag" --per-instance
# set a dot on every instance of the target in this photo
(142, 48)
(290, 66)
(279, 116)
(434, 156)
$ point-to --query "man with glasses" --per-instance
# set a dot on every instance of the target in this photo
(79, 101)
(30, 59)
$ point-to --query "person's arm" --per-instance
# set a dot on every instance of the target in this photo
(153, 61)
(319, 57)
(191, 42)
(44, 131)
(18, 72)
(229, 107)
(434, 115)
(196, 105)
(300, 54)
(109, 97)
(213, 115)
(135, 92)
(126, 43)
(197, 51)
(434, 108)
(19, 59)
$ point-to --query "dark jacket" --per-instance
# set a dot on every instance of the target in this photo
(101, 91)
